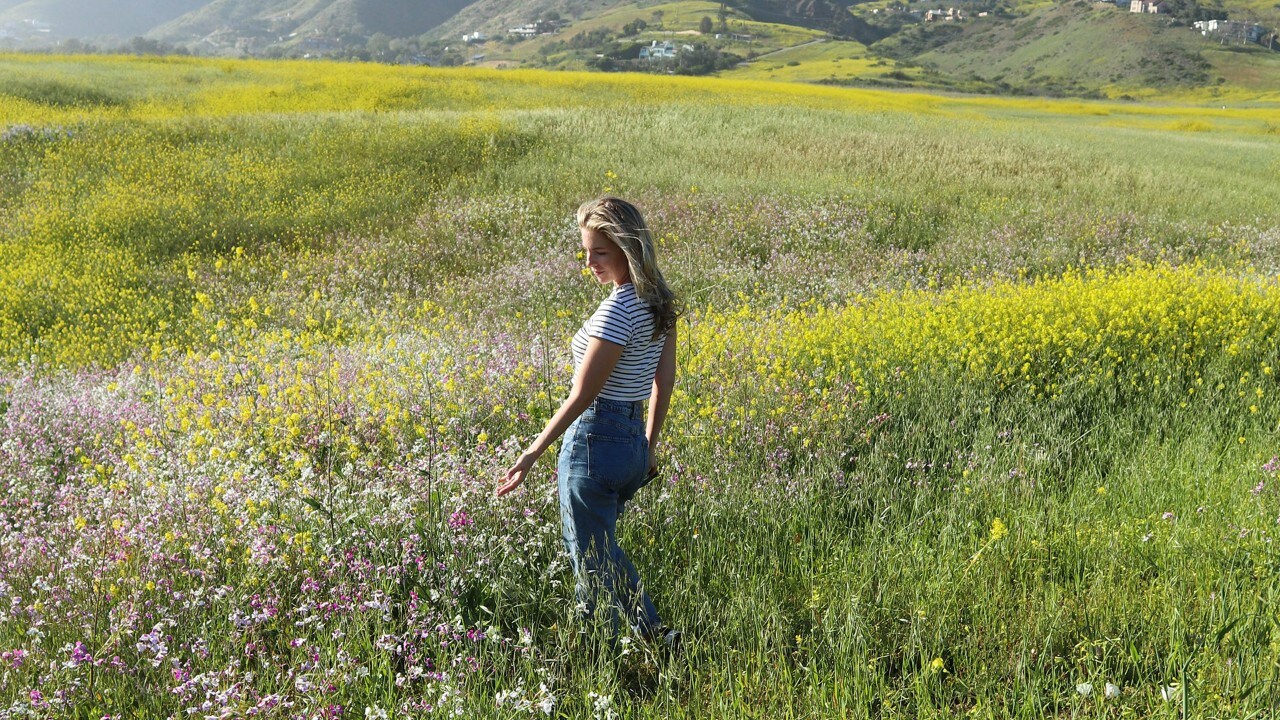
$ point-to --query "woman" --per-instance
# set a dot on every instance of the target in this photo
(623, 355)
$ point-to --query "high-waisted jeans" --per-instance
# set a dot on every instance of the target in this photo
(604, 460)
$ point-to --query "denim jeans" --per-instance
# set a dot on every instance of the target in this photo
(604, 460)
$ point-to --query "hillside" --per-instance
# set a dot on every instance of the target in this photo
(495, 17)
(98, 18)
(272, 20)
(617, 33)
(1072, 49)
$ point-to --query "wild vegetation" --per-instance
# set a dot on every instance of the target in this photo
(1021, 47)
(977, 411)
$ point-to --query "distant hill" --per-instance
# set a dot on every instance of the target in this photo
(189, 21)
(329, 18)
(1056, 47)
(1071, 49)
(399, 19)
(98, 18)
(497, 16)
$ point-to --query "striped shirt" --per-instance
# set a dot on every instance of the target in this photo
(623, 319)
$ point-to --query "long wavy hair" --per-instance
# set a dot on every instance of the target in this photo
(622, 223)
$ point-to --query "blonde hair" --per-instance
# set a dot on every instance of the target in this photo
(622, 223)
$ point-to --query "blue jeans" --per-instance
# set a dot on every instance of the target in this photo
(604, 460)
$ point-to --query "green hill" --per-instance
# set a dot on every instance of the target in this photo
(494, 17)
(1070, 47)
(1073, 49)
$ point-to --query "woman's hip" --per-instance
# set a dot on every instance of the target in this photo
(605, 446)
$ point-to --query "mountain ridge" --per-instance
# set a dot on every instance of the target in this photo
(1068, 47)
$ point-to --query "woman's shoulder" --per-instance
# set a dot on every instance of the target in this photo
(625, 294)
(625, 298)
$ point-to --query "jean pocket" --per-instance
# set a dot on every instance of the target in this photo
(610, 424)
(613, 461)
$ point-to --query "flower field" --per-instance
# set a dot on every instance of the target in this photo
(983, 431)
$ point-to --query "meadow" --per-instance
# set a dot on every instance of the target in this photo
(977, 412)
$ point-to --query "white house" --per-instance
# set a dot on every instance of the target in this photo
(948, 15)
(1231, 29)
(1147, 6)
(475, 37)
(658, 51)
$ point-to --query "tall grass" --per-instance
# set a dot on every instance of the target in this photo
(977, 402)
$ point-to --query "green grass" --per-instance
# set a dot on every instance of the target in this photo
(1246, 72)
(381, 259)
(542, 135)
(829, 61)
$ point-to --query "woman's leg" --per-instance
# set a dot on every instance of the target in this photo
(631, 595)
(591, 495)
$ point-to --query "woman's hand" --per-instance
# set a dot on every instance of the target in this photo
(516, 474)
(597, 365)
(653, 463)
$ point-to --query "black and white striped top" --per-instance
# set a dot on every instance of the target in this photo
(624, 319)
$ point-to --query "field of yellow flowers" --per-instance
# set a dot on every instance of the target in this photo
(977, 410)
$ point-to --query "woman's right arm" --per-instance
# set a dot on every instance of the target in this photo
(664, 381)
(597, 364)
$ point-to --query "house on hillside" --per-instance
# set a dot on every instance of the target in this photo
(1148, 6)
(538, 27)
(658, 51)
(949, 15)
(318, 44)
(474, 37)
(1231, 30)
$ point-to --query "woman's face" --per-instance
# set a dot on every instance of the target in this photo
(605, 260)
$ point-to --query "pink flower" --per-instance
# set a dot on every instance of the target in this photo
(15, 658)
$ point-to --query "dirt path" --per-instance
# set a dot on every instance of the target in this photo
(782, 50)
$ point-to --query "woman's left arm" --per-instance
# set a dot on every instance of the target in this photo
(597, 363)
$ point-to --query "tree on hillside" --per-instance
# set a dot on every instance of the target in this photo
(76, 46)
(1189, 11)
(589, 39)
(146, 46)
(705, 26)
(703, 60)
(378, 46)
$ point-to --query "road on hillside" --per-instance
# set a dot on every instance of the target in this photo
(785, 49)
